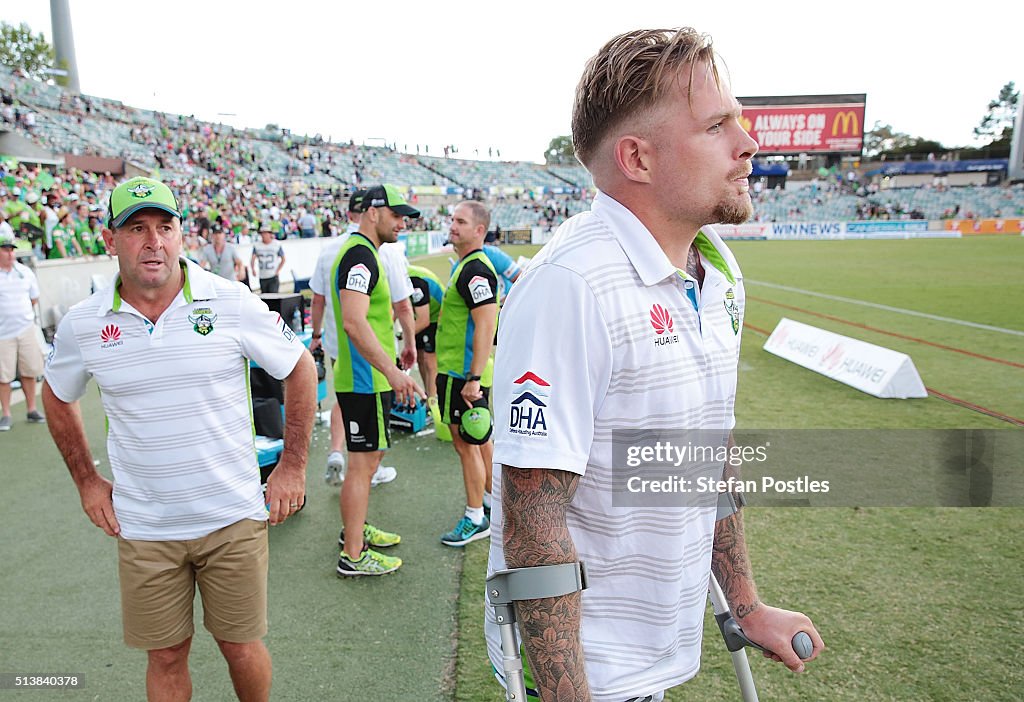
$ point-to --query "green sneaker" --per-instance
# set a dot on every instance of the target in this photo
(372, 536)
(369, 563)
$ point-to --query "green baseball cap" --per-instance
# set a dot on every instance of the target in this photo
(387, 196)
(138, 194)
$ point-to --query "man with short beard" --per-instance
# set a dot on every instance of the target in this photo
(366, 379)
(629, 320)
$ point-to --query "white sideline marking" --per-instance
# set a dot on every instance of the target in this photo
(887, 308)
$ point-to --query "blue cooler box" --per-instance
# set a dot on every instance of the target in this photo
(413, 420)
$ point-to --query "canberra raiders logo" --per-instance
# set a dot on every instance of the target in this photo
(202, 319)
(733, 309)
(142, 190)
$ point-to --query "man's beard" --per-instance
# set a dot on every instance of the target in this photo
(734, 212)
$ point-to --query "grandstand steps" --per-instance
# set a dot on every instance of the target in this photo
(441, 173)
(563, 178)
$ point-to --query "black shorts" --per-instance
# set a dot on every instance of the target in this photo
(425, 339)
(270, 285)
(365, 417)
(449, 398)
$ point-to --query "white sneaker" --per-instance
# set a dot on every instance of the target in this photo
(335, 474)
(384, 474)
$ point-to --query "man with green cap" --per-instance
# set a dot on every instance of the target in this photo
(168, 345)
(465, 330)
(366, 377)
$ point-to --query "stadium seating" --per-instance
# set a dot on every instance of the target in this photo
(829, 203)
(213, 162)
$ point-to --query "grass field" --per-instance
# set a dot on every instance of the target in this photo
(915, 603)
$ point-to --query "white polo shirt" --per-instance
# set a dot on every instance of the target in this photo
(320, 283)
(176, 396)
(601, 335)
(396, 265)
(18, 287)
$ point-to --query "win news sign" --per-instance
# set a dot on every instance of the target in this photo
(823, 124)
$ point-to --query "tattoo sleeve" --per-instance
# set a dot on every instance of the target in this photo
(731, 566)
(534, 503)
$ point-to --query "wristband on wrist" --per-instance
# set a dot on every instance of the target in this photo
(471, 378)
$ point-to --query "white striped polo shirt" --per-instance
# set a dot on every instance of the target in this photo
(176, 396)
(603, 334)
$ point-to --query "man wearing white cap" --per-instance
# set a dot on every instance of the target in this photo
(19, 343)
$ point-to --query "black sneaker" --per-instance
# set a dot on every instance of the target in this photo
(35, 417)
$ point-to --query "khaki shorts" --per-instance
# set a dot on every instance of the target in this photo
(21, 356)
(158, 581)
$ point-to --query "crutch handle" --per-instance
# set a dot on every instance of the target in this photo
(802, 645)
(735, 639)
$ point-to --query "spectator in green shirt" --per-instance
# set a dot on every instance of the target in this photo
(65, 245)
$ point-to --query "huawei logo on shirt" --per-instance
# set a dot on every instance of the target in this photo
(110, 336)
(661, 320)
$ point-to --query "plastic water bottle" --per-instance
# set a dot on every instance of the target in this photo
(296, 323)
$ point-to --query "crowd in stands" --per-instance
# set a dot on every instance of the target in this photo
(237, 178)
(843, 201)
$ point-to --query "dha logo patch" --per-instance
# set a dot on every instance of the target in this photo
(526, 412)
(358, 279)
(480, 289)
(110, 336)
(286, 331)
(141, 191)
(202, 319)
(661, 320)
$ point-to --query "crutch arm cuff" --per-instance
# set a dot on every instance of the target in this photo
(729, 503)
(536, 582)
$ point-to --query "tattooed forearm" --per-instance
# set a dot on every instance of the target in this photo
(731, 566)
(533, 505)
